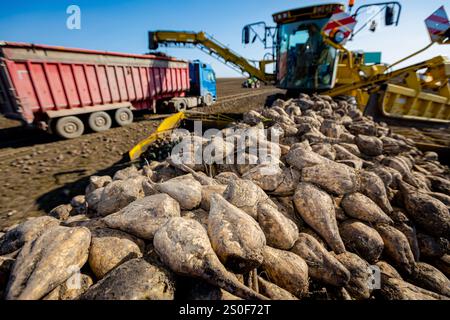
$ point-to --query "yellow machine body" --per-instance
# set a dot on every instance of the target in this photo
(418, 92)
(165, 127)
(173, 122)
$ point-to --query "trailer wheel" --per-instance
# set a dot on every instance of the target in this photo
(123, 116)
(99, 121)
(180, 106)
(69, 127)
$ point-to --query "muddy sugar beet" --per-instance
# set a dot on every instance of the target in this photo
(317, 201)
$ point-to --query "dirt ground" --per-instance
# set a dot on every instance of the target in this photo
(232, 86)
(40, 171)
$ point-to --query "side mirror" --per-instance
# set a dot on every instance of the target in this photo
(389, 16)
(246, 35)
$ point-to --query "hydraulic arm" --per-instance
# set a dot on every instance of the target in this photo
(213, 47)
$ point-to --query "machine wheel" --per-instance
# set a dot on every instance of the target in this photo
(99, 121)
(69, 127)
(123, 116)
(208, 99)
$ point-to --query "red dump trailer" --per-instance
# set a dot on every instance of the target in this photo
(64, 90)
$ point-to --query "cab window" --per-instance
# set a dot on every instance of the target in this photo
(209, 76)
(305, 61)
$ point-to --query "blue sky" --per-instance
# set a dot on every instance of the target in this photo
(123, 25)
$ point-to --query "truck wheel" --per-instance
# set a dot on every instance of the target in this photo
(123, 116)
(209, 100)
(69, 127)
(99, 121)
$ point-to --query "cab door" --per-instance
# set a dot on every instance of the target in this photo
(208, 81)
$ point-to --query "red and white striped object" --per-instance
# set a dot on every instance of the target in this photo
(437, 24)
(340, 21)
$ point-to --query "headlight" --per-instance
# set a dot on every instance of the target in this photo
(339, 36)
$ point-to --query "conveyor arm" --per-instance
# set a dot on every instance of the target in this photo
(211, 46)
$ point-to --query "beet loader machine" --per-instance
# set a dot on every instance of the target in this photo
(308, 54)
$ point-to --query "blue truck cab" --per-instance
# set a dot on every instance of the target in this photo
(202, 82)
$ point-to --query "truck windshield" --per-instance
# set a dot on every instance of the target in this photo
(305, 62)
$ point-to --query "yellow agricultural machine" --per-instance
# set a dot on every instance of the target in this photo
(308, 54)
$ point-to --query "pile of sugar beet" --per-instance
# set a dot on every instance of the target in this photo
(345, 209)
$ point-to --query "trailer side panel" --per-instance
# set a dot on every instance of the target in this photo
(46, 81)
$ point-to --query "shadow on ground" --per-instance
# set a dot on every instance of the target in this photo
(23, 136)
(65, 193)
(19, 136)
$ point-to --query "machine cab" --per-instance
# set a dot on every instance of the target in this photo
(305, 62)
(202, 81)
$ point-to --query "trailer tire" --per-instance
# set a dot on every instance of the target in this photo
(69, 127)
(99, 121)
(123, 116)
(180, 106)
